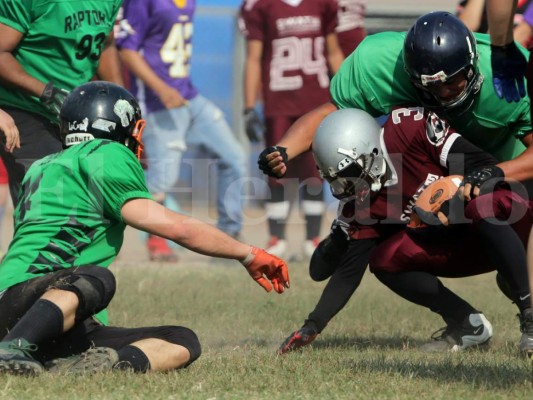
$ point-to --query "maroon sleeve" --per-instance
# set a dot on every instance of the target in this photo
(251, 23)
(331, 17)
(421, 133)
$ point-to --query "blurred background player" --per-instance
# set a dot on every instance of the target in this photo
(156, 45)
(291, 49)
(474, 15)
(351, 26)
(46, 49)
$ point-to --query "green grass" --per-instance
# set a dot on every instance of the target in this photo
(367, 352)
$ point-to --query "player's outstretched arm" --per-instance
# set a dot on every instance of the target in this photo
(150, 216)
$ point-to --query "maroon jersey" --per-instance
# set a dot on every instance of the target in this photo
(351, 28)
(416, 142)
(294, 69)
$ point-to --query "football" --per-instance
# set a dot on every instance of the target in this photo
(434, 196)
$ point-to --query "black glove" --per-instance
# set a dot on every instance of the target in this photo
(53, 97)
(253, 125)
(485, 178)
(263, 162)
(508, 71)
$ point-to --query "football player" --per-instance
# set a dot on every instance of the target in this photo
(439, 64)
(69, 226)
(381, 176)
(291, 48)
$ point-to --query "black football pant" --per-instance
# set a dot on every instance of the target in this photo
(18, 299)
(38, 138)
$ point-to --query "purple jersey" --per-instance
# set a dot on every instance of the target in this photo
(162, 31)
(528, 14)
(417, 142)
(294, 68)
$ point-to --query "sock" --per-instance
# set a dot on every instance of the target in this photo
(313, 225)
(42, 322)
(313, 208)
(277, 228)
(131, 357)
(506, 251)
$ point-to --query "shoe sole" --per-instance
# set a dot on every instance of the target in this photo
(21, 368)
(95, 360)
(445, 348)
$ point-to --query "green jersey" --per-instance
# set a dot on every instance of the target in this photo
(62, 42)
(373, 79)
(69, 213)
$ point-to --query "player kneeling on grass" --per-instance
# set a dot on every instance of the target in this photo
(380, 176)
(69, 227)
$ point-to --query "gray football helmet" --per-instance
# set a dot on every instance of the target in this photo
(348, 153)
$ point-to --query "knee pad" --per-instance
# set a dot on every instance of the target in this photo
(95, 287)
(182, 336)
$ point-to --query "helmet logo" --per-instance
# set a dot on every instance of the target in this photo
(344, 163)
(125, 111)
(78, 126)
(438, 77)
(76, 138)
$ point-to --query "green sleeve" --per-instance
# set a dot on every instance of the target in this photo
(16, 14)
(117, 177)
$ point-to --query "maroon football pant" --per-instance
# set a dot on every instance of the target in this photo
(461, 253)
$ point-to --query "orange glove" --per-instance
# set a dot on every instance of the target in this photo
(259, 264)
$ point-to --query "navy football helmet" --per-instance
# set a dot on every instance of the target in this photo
(102, 110)
(440, 49)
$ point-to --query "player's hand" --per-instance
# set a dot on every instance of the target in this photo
(273, 161)
(53, 97)
(171, 98)
(267, 270)
(508, 71)
(300, 338)
(253, 125)
(10, 131)
(480, 181)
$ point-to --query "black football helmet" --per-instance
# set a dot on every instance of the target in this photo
(438, 48)
(102, 110)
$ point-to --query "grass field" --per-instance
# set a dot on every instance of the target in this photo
(369, 351)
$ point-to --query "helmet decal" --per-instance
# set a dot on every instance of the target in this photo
(124, 110)
(438, 77)
(78, 126)
(104, 125)
(345, 162)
